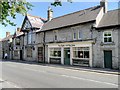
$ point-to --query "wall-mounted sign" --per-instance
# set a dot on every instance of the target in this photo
(67, 45)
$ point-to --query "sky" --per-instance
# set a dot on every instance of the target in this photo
(40, 9)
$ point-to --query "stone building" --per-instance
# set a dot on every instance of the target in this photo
(30, 26)
(89, 37)
(17, 45)
(6, 45)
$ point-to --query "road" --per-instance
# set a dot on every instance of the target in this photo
(21, 75)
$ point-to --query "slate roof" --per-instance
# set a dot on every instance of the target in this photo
(78, 17)
(110, 19)
(36, 21)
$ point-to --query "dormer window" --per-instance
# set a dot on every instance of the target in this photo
(107, 37)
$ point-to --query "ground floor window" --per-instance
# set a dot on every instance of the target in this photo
(55, 52)
(16, 53)
(81, 56)
(55, 55)
(29, 52)
(81, 52)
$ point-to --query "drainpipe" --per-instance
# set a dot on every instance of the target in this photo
(44, 45)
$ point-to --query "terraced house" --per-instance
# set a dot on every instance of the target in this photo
(30, 26)
(18, 45)
(89, 37)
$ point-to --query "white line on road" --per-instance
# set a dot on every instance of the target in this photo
(8, 84)
(11, 65)
(89, 80)
(75, 77)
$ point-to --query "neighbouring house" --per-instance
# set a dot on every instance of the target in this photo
(0, 48)
(89, 37)
(6, 45)
(17, 45)
(107, 47)
(30, 26)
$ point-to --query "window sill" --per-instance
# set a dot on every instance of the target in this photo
(107, 43)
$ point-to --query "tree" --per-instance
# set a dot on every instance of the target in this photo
(11, 8)
(59, 2)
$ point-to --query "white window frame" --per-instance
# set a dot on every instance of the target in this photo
(75, 36)
(79, 34)
(83, 53)
(29, 37)
(107, 36)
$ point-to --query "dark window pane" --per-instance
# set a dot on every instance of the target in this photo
(109, 39)
(105, 39)
(86, 54)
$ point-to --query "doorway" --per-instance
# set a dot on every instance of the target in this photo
(40, 54)
(108, 59)
(67, 56)
(21, 55)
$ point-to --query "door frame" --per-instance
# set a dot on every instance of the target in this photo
(104, 58)
(64, 55)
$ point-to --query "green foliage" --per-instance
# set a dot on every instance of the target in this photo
(9, 8)
(59, 2)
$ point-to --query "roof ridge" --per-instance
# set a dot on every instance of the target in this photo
(37, 17)
(75, 12)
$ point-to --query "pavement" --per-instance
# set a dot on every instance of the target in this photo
(31, 75)
(97, 70)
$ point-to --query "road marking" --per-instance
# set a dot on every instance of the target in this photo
(11, 65)
(8, 83)
(34, 70)
(89, 80)
(75, 77)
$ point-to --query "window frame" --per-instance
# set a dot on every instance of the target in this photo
(82, 49)
(75, 36)
(79, 34)
(107, 36)
(52, 50)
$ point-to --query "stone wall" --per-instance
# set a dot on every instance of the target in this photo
(99, 47)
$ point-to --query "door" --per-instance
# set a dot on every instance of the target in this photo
(21, 55)
(40, 54)
(67, 56)
(108, 59)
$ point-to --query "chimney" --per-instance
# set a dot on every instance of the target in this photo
(7, 34)
(104, 4)
(18, 29)
(50, 14)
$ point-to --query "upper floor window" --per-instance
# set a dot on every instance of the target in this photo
(74, 36)
(55, 37)
(107, 36)
(17, 41)
(29, 38)
(79, 34)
